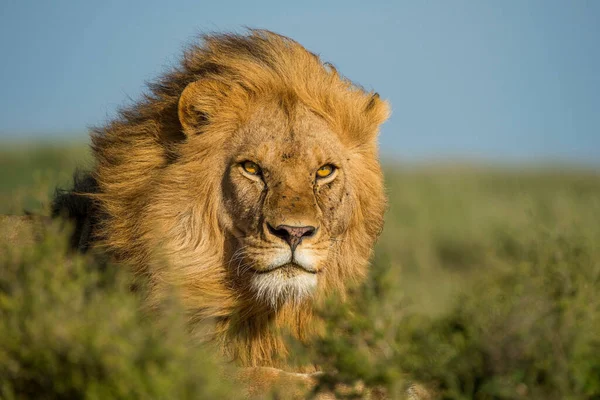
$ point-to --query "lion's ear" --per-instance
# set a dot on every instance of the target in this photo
(377, 110)
(198, 103)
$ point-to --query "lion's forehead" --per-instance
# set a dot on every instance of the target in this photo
(278, 140)
(293, 154)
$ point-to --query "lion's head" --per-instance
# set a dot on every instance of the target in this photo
(249, 180)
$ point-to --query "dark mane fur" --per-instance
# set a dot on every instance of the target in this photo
(76, 206)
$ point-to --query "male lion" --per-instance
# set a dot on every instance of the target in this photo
(248, 180)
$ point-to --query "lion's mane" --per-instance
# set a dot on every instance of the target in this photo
(142, 159)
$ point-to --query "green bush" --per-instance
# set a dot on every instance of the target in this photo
(71, 328)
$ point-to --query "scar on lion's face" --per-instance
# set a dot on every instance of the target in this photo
(287, 201)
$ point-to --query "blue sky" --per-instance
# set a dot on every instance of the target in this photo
(501, 80)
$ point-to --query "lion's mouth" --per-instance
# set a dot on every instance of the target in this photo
(288, 269)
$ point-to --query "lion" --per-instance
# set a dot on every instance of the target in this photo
(248, 181)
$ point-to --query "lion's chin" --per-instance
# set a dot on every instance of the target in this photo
(288, 283)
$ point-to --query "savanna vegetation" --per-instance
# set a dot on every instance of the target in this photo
(484, 285)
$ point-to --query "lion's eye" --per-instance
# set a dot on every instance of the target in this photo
(325, 171)
(251, 168)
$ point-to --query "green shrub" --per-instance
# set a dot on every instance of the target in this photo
(71, 328)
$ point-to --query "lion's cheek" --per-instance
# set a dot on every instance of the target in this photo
(242, 215)
(337, 220)
(273, 258)
(310, 259)
(336, 204)
(242, 201)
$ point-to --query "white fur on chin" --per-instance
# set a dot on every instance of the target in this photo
(275, 288)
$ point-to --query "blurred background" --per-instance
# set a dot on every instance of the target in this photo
(508, 82)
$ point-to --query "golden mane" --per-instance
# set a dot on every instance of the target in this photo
(142, 158)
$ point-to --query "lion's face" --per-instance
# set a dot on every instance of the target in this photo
(286, 202)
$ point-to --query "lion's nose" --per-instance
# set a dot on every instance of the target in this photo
(293, 235)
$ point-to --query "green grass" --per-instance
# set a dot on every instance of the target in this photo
(31, 172)
(484, 285)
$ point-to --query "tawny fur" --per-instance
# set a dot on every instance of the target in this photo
(175, 208)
